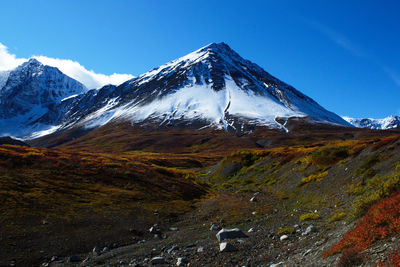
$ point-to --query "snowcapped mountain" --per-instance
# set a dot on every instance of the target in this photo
(210, 87)
(391, 122)
(31, 91)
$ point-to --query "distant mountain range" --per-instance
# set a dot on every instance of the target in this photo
(391, 122)
(211, 87)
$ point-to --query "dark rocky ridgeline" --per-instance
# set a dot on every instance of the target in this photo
(7, 140)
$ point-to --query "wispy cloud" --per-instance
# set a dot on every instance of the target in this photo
(395, 75)
(338, 38)
(355, 49)
(71, 68)
(8, 61)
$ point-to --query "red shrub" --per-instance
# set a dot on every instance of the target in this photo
(381, 220)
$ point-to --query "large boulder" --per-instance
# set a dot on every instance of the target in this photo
(230, 234)
(226, 247)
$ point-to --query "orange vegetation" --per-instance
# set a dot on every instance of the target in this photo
(382, 220)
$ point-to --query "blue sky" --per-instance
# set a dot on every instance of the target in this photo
(343, 54)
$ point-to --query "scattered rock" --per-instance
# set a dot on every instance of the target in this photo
(307, 252)
(181, 262)
(54, 258)
(174, 229)
(214, 227)
(230, 234)
(250, 230)
(226, 247)
(155, 212)
(96, 251)
(157, 260)
(310, 229)
(277, 264)
(254, 212)
(154, 230)
(284, 237)
(171, 249)
(253, 199)
(200, 249)
(74, 259)
(45, 222)
(190, 247)
(106, 249)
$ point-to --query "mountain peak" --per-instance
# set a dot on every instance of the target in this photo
(216, 47)
(32, 62)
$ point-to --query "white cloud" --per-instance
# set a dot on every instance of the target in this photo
(71, 68)
(8, 61)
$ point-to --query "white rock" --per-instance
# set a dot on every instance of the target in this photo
(181, 262)
(283, 237)
(253, 199)
(277, 264)
(230, 234)
(250, 230)
(226, 247)
(309, 229)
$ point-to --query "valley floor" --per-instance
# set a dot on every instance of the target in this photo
(310, 203)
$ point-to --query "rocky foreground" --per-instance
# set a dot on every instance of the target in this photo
(191, 242)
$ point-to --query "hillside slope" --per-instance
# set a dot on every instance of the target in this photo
(327, 180)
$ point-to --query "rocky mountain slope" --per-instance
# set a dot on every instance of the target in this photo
(214, 85)
(31, 96)
(211, 87)
(391, 122)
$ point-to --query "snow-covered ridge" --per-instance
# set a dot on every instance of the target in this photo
(391, 122)
(33, 91)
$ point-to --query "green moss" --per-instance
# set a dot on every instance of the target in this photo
(337, 217)
(365, 169)
(329, 155)
(269, 180)
(362, 204)
(355, 189)
(245, 190)
(376, 188)
(285, 231)
(313, 178)
(309, 216)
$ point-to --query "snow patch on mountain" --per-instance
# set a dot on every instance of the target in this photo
(391, 122)
(201, 102)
